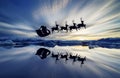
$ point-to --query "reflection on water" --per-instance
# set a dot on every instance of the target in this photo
(59, 62)
(43, 53)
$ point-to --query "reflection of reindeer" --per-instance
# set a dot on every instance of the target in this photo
(82, 24)
(44, 53)
(73, 27)
(65, 28)
(73, 57)
(56, 56)
(81, 59)
(64, 56)
(55, 28)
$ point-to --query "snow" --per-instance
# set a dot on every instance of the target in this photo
(105, 43)
(7, 42)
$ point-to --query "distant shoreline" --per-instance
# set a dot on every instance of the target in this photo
(105, 43)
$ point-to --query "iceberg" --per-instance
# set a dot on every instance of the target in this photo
(7, 43)
(104, 43)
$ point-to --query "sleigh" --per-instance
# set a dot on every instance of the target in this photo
(43, 31)
(42, 34)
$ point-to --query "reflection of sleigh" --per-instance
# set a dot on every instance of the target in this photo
(42, 34)
(43, 53)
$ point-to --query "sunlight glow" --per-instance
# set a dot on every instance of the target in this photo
(96, 14)
(101, 17)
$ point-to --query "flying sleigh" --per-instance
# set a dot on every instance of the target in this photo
(43, 31)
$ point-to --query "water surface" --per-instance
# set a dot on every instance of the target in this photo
(22, 62)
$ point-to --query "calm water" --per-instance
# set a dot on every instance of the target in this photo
(22, 62)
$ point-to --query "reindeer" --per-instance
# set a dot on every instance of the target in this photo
(65, 28)
(73, 57)
(82, 24)
(56, 56)
(64, 56)
(55, 28)
(81, 59)
(74, 26)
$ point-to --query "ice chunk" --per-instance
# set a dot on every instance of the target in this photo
(7, 42)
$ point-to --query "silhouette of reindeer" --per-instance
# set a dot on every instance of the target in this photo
(64, 56)
(81, 59)
(55, 28)
(73, 57)
(65, 28)
(55, 56)
(82, 24)
(73, 27)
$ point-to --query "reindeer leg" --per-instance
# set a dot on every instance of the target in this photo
(52, 31)
(70, 29)
(66, 30)
(58, 30)
(76, 29)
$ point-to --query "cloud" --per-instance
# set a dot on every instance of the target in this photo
(51, 12)
(100, 16)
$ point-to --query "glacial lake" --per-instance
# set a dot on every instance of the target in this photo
(23, 62)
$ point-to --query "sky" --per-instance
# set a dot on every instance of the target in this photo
(20, 18)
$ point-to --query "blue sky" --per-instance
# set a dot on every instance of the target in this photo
(20, 18)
